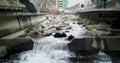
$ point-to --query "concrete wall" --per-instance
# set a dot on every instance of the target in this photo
(86, 46)
(12, 46)
(100, 15)
(11, 24)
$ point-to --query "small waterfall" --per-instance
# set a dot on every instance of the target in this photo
(54, 50)
(47, 50)
(50, 49)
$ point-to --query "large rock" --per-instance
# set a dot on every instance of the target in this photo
(12, 46)
(59, 35)
(70, 37)
(47, 34)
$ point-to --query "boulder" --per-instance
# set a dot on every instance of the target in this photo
(60, 35)
(70, 37)
(46, 34)
(3, 51)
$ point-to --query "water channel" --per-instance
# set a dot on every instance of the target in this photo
(54, 50)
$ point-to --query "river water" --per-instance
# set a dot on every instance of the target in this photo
(50, 49)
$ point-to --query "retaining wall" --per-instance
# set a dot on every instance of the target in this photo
(11, 24)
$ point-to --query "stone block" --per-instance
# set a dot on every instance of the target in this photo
(16, 45)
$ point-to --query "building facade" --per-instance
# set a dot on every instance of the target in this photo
(81, 6)
(104, 3)
(47, 5)
(62, 4)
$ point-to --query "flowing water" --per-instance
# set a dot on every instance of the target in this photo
(50, 49)
(46, 50)
(102, 58)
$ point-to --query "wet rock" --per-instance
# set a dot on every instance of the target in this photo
(36, 33)
(70, 37)
(46, 34)
(42, 31)
(59, 35)
(43, 26)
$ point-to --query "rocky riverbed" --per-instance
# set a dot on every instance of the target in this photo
(52, 36)
(53, 24)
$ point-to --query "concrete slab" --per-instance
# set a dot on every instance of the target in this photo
(16, 45)
(14, 35)
(109, 43)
